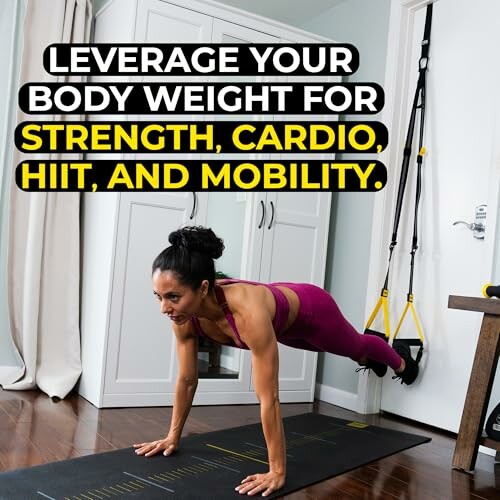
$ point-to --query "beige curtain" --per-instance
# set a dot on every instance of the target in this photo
(44, 233)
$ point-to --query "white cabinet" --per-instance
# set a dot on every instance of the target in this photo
(161, 22)
(228, 32)
(140, 353)
(292, 231)
(128, 350)
(284, 238)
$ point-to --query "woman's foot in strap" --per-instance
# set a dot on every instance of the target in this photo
(378, 368)
(408, 371)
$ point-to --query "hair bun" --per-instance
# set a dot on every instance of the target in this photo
(177, 239)
(198, 239)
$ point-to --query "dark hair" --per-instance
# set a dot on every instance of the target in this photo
(191, 255)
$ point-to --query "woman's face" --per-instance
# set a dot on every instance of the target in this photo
(179, 301)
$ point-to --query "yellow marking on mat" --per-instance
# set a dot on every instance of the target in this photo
(124, 487)
(358, 425)
(204, 467)
(121, 488)
(163, 476)
(96, 495)
(197, 468)
(237, 454)
(107, 487)
(102, 493)
(113, 488)
(130, 484)
(139, 485)
(177, 474)
(85, 496)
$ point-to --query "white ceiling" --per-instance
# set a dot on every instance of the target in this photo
(294, 12)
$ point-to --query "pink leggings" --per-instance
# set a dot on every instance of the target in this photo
(321, 327)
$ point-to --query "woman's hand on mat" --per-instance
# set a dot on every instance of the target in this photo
(265, 484)
(167, 446)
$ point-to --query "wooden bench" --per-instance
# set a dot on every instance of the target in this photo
(480, 383)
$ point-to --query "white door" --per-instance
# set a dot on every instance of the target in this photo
(228, 215)
(141, 359)
(461, 171)
(295, 231)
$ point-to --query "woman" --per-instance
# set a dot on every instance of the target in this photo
(251, 316)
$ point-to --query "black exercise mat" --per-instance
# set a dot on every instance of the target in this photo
(209, 466)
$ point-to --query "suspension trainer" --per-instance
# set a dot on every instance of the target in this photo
(418, 107)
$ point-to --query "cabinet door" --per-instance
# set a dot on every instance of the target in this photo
(141, 359)
(162, 22)
(294, 249)
(250, 240)
(226, 216)
(227, 32)
(229, 214)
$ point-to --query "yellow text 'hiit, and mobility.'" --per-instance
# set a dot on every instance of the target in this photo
(285, 175)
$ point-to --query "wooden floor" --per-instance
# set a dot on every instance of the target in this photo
(36, 430)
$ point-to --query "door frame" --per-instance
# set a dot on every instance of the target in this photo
(399, 77)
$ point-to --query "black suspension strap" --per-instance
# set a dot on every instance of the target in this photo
(418, 106)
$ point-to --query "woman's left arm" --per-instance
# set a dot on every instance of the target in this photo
(261, 340)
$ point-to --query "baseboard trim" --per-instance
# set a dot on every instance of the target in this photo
(338, 397)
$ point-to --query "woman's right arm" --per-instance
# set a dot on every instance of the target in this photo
(187, 381)
(185, 389)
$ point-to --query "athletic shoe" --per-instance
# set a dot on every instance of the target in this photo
(410, 373)
(378, 368)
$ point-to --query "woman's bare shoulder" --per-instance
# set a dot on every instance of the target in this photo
(247, 299)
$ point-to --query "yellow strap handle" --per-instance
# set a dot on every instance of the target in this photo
(382, 302)
(409, 305)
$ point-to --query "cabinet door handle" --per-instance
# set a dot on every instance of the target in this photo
(193, 210)
(263, 214)
(272, 215)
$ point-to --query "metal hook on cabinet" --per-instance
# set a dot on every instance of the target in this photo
(193, 210)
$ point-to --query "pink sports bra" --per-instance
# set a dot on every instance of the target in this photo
(279, 320)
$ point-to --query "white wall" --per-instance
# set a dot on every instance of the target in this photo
(11, 18)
